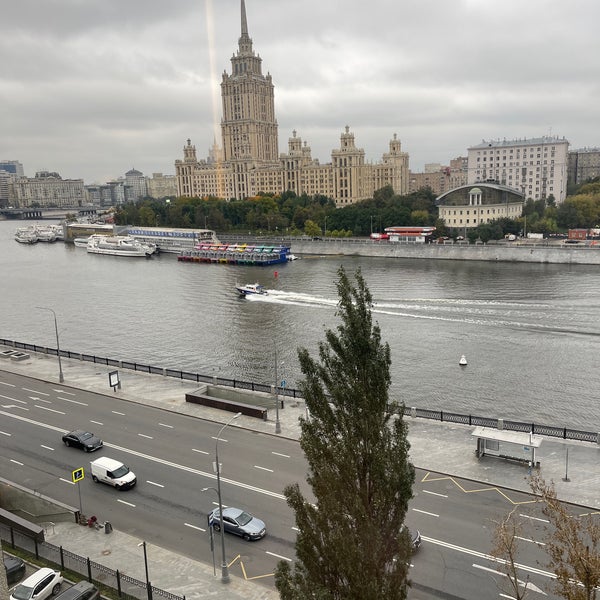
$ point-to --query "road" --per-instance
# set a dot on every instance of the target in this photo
(173, 455)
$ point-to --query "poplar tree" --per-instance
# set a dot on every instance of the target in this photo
(351, 541)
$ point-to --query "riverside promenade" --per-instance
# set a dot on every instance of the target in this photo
(439, 447)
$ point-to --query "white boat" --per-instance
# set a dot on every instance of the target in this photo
(462, 361)
(26, 235)
(292, 257)
(81, 242)
(45, 234)
(251, 288)
(118, 245)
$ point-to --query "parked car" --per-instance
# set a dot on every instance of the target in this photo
(84, 440)
(84, 590)
(15, 568)
(41, 585)
(239, 522)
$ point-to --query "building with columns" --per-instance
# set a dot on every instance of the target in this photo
(249, 162)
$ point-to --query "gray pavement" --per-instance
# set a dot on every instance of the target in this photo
(440, 447)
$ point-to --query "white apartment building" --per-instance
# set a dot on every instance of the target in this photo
(46, 190)
(536, 167)
(161, 186)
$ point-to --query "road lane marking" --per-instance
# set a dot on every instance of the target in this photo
(424, 512)
(435, 494)
(117, 413)
(529, 540)
(219, 439)
(534, 518)
(128, 503)
(58, 412)
(12, 460)
(145, 436)
(73, 401)
(156, 484)
(6, 433)
(165, 425)
(35, 392)
(65, 392)
(200, 451)
(96, 422)
(263, 468)
(13, 399)
(194, 527)
(155, 459)
(7, 384)
(66, 481)
(280, 454)
(46, 447)
(524, 584)
(278, 556)
(40, 400)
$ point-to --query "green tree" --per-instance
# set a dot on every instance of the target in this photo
(351, 540)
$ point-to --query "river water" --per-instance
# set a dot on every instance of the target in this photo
(530, 332)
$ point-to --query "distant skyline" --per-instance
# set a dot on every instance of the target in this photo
(94, 88)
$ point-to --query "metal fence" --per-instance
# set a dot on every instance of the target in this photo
(125, 587)
(423, 413)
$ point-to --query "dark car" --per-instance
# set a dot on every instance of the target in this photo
(239, 522)
(15, 568)
(84, 440)
(83, 590)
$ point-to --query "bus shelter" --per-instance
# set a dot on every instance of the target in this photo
(513, 445)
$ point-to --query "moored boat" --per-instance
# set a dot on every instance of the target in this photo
(251, 288)
(118, 245)
(81, 242)
(462, 361)
(26, 235)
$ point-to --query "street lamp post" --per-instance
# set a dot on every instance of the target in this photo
(276, 392)
(61, 378)
(224, 568)
(371, 225)
(325, 234)
(148, 584)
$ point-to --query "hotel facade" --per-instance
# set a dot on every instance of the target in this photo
(248, 162)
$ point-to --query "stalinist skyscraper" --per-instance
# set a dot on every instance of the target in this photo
(248, 162)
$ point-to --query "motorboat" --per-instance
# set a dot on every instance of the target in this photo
(462, 361)
(292, 257)
(81, 242)
(251, 288)
(26, 235)
(118, 245)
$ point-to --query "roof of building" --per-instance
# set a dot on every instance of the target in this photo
(520, 142)
(510, 194)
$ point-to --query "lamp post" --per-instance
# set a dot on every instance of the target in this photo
(276, 390)
(61, 378)
(148, 584)
(224, 568)
(325, 234)
(371, 224)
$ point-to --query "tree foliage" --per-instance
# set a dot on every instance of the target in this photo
(572, 545)
(351, 540)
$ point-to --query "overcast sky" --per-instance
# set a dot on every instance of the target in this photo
(92, 88)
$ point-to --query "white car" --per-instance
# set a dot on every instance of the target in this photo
(39, 586)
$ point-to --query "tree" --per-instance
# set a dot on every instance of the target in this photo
(572, 545)
(351, 542)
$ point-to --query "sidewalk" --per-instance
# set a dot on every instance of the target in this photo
(441, 447)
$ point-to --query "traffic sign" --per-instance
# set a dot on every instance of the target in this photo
(77, 475)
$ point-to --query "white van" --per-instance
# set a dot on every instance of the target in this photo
(113, 472)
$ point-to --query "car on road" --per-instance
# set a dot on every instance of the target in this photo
(41, 585)
(84, 590)
(14, 567)
(239, 522)
(113, 472)
(84, 440)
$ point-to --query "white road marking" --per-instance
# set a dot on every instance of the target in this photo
(96, 422)
(7, 384)
(13, 399)
(73, 401)
(156, 484)
(435, 494)
(165, 425)
(46, 447)
(220, 439)
(529, 540)
(524, 584)
(40, 400)
(66, 481)
(200, 451)
(145, 436)
(65, 392)
(263, 468)
(12, 460)
(424, 512)
(117, 413)
(194, 527)
(6, 433)
(296, 528)
(128, 503)
(278, 556)
(58, 412)
(35, 392)
(279, 454)
(534, 518)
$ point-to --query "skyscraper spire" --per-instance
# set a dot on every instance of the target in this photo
(244, 22)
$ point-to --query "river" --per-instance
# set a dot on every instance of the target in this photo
(530, 332)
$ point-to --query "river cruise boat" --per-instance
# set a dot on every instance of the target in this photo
(173, 240)
(118, 245)
(26, 235)
(237, 254)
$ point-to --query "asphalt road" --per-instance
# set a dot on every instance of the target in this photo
(173, 455)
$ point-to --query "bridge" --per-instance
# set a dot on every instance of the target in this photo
(45, 213)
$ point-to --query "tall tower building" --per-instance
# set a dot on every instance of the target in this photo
(249, 161)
